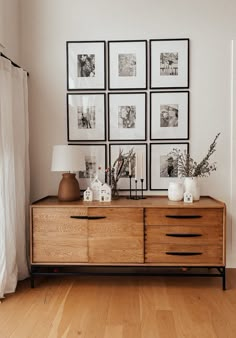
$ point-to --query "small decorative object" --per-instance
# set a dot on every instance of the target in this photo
(88, 195)
(127, 116)
(70, 159)
(96, 186)
(169, 115)
(127, 64)
(185, 166)
(86, 65)
(175, 191)
(169, 63)
(105, 193)
(86, 116)
(188, 197)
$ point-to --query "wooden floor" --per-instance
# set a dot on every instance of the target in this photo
(123, 306)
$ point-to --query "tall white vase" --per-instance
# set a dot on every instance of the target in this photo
(191, 184)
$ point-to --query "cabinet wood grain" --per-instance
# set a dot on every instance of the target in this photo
(118, 238)
(58, 238)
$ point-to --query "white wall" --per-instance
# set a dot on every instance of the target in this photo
(46, 25)
(10, 28)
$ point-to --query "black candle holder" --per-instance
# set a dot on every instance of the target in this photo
(130, 187)
(136, 197)
(142, 180)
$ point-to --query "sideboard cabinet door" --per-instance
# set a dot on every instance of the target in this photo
(115, 235)
(59, 235)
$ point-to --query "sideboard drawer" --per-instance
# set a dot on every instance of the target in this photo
(57, 237)
(179, 234)
(184, 254)
(182, 216)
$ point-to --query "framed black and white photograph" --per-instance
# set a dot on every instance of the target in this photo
(127, 116)
(163, 164)
(95, 164)
(169, 63)
(169, 115)
(137, 167)
(86, 117)
(127, 64)
(86, 65)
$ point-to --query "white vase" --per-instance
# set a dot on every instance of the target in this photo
(175, 191)
(191, 184)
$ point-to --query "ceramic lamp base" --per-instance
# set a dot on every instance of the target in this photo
(69, 189)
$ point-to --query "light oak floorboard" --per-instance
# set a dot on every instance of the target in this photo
(121, 307)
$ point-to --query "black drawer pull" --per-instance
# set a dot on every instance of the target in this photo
(87, 217)
(183, 216)
(79, 217)
(183, 253)
(183, 235)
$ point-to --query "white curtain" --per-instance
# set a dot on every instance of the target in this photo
(14, 175)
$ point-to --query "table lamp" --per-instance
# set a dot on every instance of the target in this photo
(69, 159)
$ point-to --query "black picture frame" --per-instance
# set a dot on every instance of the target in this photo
(86, 117)
(169, 63)
(169, 115)
(159, 164)
(95, 163)
(86, 65)
(127, 116)
(123, 183)
(127, 64)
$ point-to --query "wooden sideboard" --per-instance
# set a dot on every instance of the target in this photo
(152, 232)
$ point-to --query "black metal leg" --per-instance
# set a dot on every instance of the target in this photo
(224, 279)
(32, 281)
(222, 272)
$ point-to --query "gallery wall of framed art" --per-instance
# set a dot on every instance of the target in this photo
(129, 94)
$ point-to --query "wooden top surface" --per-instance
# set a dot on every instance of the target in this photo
(149, 201)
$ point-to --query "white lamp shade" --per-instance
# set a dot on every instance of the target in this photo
(67, 158)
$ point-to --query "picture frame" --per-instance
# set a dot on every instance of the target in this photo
(169, 63)
(127, 116)
(86, 65)
(141, 149)
(169, 115)
(95, 156)
(127, 64)
(86, 117)
(162, 164)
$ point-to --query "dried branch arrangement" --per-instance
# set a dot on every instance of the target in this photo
(185, 166)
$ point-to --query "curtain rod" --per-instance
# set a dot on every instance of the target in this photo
(12, 62)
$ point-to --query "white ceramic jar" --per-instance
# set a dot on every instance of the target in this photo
(175, 191)
(191, 184)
